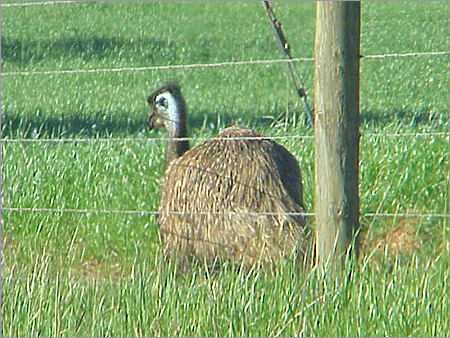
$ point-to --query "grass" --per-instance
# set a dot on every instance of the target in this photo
(96, 274)
(153, 303)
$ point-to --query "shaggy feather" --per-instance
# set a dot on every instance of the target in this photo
(226, 179)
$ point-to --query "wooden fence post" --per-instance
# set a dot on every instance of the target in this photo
(336, 129)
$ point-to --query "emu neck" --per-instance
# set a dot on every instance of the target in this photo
(176, 148)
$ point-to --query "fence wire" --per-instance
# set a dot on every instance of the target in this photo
(207, 65)
(217, 213)
(165, 139)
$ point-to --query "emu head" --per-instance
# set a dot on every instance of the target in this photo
(167, 110)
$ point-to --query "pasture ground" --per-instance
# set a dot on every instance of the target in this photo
(97, 274)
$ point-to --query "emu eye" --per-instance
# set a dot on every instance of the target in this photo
(162, 101)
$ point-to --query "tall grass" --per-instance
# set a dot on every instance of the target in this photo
(95, 274)
(153, 302)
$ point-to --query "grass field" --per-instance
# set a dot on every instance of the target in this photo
(100, 274)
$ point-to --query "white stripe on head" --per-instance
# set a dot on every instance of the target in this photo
(170, 109)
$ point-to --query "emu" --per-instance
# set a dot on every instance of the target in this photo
(236, 197)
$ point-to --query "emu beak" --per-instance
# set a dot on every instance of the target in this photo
(151, 121)
(156, 119)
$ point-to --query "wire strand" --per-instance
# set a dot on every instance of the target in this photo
(160, 139)
(206, 65)
(138, 69)
(398, 55)
(152, 212)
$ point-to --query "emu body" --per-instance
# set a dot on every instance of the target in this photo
(228, 198)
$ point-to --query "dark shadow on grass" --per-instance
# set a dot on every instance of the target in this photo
(23, 52)
(403, 117)
(88, 124)
(73, 124)
(259, 120)
(216, 120)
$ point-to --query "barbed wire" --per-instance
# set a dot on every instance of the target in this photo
(206, 65)
(153, 212)
(160, 139)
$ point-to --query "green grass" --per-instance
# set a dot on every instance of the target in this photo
(152, 302)
(95, 274)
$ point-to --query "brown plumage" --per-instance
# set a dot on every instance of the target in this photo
(212, 195)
